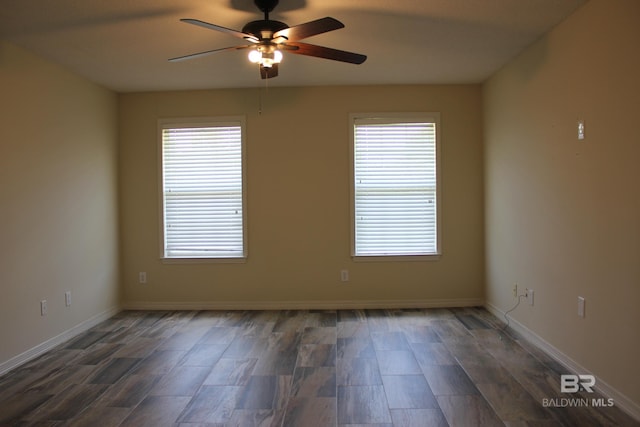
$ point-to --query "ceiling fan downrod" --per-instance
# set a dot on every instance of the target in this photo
(266, 6)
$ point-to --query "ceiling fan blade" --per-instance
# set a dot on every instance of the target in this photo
(268, 73)
(324, 52)
(308, 29)
(229, 31)
(205, 53)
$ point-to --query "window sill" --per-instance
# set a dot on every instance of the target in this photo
(396, 258)
(204, 260)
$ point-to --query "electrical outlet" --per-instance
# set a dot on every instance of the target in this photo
(67, 298)
(142, 277)
(344, 275)
(581, 306)
(43, 307)
(515, 290)
(529, 295)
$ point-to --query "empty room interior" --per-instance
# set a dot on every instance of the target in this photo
(511, 302)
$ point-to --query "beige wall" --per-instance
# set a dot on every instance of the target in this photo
(58, 215)
(298, 200)
(563, 216)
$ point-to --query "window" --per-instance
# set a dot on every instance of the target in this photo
(202, 189)
(395, 185)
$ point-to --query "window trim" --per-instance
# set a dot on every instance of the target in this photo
(185, 122)
(429, 117)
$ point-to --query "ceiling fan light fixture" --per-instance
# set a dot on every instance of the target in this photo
(255, 56)
(265, 58)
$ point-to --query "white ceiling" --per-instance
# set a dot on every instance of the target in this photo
(124, 44)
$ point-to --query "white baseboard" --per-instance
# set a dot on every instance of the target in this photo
(41, 348)
(621, 401)
(302, 305)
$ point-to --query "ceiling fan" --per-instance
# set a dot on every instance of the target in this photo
(267, 38)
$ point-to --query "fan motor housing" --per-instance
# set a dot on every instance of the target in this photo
(266, 5)
(264, 29)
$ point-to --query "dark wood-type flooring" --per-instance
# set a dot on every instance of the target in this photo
(414, 367)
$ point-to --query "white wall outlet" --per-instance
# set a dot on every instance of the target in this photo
(67, 298)
(580, 130)
(43, 307)
(142, 277)
(581, 306)
(344, 275)
(529, 294)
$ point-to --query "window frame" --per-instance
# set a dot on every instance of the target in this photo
(195, 122)
(381, 118)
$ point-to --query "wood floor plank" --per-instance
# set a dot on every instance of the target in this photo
(219, 335)
(418, 418)
(156, 411)
(130, 391)
(276, 363)
(290, 321)
(259, 393)
(471, 321)
(51, 360)
(432, 354)
(362, 405)
(99, 416)
(355, 347)
(85, 340)
(322, 318)
(449, 379)
(114, 370)
(310, 355)
(450, 329)
(246, 346)
(139, 348)
(159, 362)
(408, 392)
(231, 372)
(184, 338)
(203, 355)
(56, 380)
(420, 334)
(512, 402)
(181, 381)
(212, 404)
(314, 382)
(311, 412)
(21, 405)
(351, 315)
(358, 371)
(353, 330)
(471, 410)
(319, 335)
(68, 403)
(97, 353)
(398, 362)
(390, 341)
(250, 418)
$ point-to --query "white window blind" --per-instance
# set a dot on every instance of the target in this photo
(395, 187)
(203, 191)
